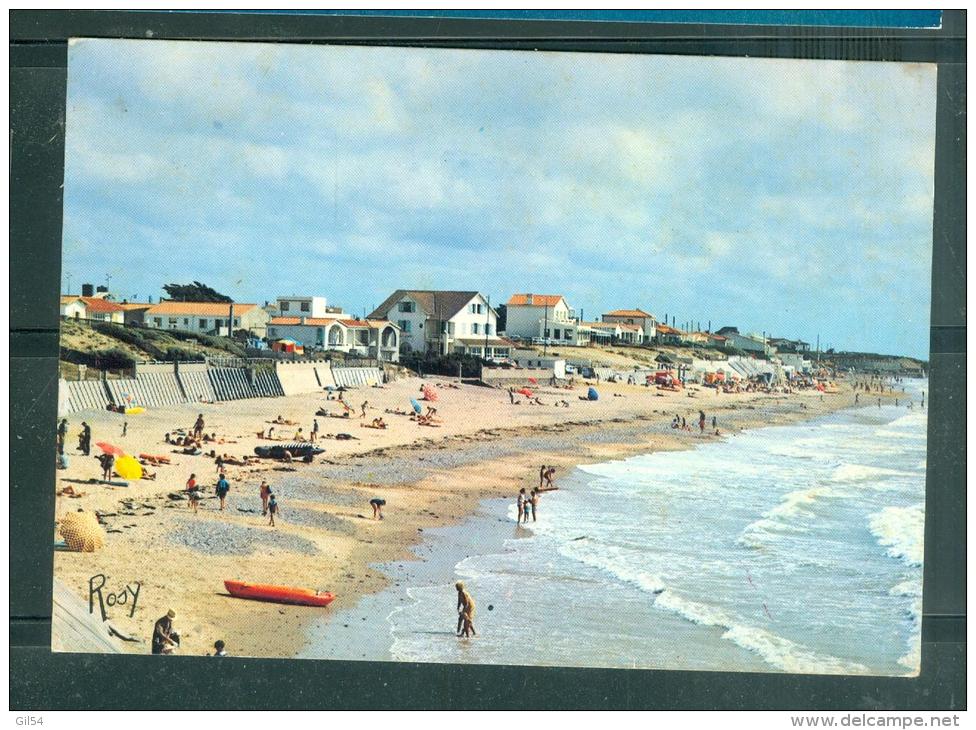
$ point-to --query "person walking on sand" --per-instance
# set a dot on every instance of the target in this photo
(107, 461)
(714, 422)
(198, 428)
(272, 508)
(465, 608)
(223, 486)
(315, 430)
(265, 493)
(84, 439)
(534, 502)
(377, 504)
(362, 409)
(520, 504)
(542, 475)
(701, 421)
(125, 428)
(192, 493)
(511, 395)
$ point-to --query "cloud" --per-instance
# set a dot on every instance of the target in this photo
(746, 187)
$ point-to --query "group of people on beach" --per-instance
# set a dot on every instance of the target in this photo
(269, 502)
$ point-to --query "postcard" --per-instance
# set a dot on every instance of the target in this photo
(493, 357)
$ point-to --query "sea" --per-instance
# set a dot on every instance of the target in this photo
(781, 549)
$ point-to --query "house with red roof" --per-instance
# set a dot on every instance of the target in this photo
(544, 317)
(635, 317)
(92, 308)
(376, 338)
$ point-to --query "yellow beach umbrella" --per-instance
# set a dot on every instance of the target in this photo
(128, 468)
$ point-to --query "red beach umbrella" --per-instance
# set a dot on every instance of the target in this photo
(109, 448)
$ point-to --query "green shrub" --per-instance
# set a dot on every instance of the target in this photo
(113, 358)
(432, 364)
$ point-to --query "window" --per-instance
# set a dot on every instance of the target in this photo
(306, 307)
(272, 332)
(474, 351)
(404, 325)
(158, 321)
(556, 333)
(218, 323)
(476, 308)
(567, 334)
(475, 329)
(487, 329)
(186, 322)
(203, 324)
(283, 306)
(172, 321)
(237, 321)
(406, 307)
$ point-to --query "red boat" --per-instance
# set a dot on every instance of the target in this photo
(278, 594)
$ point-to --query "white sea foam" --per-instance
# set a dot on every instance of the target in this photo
(777, 650)
(902, 531)
(861, 472)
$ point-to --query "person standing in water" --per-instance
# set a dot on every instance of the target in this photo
(520, 503)
(701, 421)
(465, 608)
(534, 502)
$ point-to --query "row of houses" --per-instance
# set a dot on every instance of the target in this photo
(412, 319)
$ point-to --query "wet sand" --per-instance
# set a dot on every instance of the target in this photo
(325, 537)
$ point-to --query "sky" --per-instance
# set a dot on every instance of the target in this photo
(791, 197)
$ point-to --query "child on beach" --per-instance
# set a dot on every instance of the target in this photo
(191, 492)
(107, 461)
(272, 507)
(377, 504)
(223, 486)
(526, 508)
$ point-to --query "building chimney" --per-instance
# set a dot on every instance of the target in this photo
(101, 289)
(87, 290)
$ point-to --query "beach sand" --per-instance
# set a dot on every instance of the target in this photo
(325, 537)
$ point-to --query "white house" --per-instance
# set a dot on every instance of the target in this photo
(206, 317)
(296, 306)
(94, 308)
(444, 322)
(605, 333)
(529, 316)
(379, 339)
(647, 322)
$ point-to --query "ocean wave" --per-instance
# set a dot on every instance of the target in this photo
(902, 531)
(912, 659)
(778, 651)
(862, 472)
(614, 561)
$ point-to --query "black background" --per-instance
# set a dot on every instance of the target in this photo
(40, 679)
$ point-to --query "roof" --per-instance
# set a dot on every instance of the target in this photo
(663, 329)
(129, 306)
(603, 325)
(93, 304)
(214, 309)
(625, 326)
(538, 300)
(328, 321)
(629, 313)
(445, 304)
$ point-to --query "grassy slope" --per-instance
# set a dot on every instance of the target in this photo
(81, 337)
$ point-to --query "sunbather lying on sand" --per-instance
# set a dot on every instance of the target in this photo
(398, 411)
(377, 423)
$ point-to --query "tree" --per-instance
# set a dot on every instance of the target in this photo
(195, 292)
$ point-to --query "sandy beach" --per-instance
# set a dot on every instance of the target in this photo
(325, 537)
